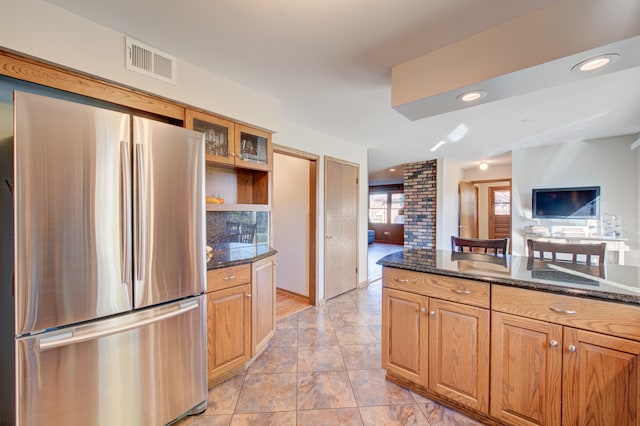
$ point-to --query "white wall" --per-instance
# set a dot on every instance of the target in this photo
(493, 172)
(608, 163)
(291, 222)
(299, 137)
(42, 30)
(449, 177)
(45, 31)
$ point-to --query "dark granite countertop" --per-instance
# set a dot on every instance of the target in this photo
(231, 254)
(620, 283)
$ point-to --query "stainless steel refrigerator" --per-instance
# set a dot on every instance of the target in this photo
(109, 266)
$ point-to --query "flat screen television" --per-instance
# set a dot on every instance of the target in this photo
(566, 203)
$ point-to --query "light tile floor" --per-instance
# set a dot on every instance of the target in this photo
(323, 368)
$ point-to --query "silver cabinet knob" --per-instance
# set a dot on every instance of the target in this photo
(572, 348)
(432, 313)
(553, 343)
(248, 296)
(423, 310)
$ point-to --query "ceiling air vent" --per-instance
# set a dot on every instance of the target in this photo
(149, 61)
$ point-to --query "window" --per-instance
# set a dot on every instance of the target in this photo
(502, 202)
(386, 207)
(378, 208)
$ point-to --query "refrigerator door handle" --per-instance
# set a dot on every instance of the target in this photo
(125, 209)
(140, 213)
(71, 337)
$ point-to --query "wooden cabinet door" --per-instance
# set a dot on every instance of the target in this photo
(253, 148)
(228, 329)
(264, 297)
(602, 381)
(459, 353)
(526, 370)
(219, 136)
(405, 335)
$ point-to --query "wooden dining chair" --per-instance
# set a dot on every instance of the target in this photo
(575, 253)
(491, 246)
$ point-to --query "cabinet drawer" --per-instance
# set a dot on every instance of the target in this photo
(461, 290)
(218, 279)
(616, 319)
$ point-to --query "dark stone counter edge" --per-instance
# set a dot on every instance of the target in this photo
(531, 285)
(217, 265)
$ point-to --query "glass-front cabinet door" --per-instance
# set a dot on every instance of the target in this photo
(219, 136)
(253, 148)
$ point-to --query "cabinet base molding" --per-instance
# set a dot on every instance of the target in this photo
(227, 375)
(454, 405)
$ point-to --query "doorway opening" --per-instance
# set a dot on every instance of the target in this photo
(485, 209)
(294, 229)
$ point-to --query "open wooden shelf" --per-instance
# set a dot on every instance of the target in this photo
(237, 186)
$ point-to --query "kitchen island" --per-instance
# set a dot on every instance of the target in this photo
(510, 341)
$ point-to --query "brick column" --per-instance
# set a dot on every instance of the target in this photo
(420, 201)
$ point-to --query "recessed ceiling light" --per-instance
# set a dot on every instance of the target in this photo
(596, 62)
(392, 170)
(472, 96)
(484, 165)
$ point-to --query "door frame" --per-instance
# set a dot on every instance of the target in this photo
(328, 158)
(475, 182)
(313, 195)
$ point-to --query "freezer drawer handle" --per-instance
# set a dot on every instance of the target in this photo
(67, 339)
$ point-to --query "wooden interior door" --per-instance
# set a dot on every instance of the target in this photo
(499, 212)
(468, 211)
(341, 227)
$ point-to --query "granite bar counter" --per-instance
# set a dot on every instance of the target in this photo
(618, 283)
(231, 254)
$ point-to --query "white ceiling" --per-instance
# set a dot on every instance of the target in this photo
(329, 64)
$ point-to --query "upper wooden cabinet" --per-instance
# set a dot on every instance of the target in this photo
(253, 148)
(230, 143)
(219, 136)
